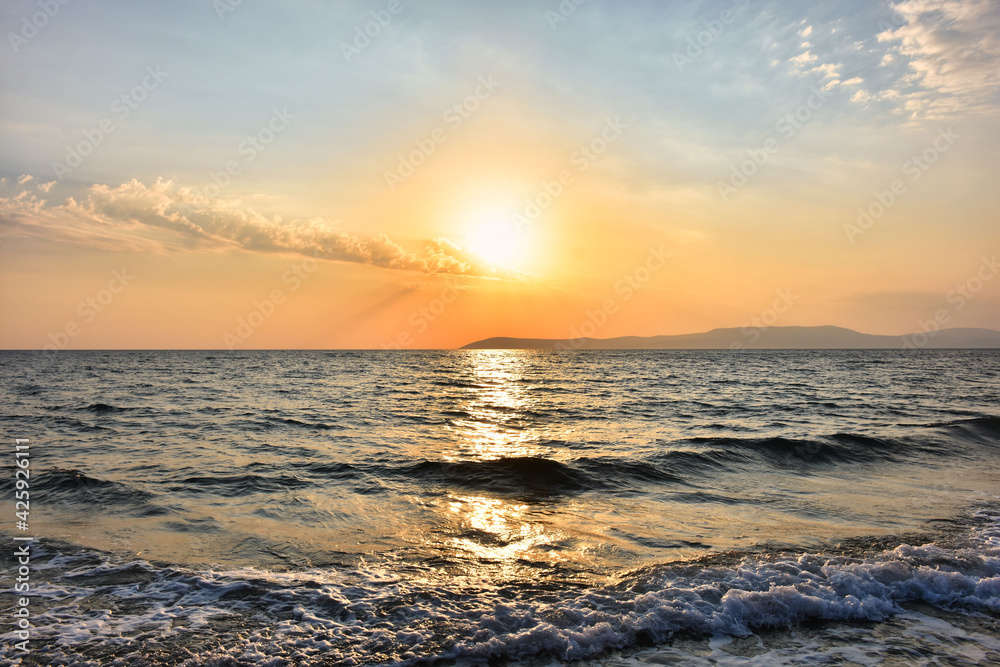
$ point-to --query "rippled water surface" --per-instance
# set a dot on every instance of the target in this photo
(367, 507)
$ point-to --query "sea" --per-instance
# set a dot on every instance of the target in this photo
(482, 507)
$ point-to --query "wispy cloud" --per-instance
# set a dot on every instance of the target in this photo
(953, 49)
(164, 216)
(804, 59)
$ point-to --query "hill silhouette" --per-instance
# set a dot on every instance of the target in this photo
(771, 338)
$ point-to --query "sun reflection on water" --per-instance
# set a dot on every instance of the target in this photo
(495, 528)
(497, 417)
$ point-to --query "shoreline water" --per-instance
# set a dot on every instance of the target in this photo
(616, 508)
(767, 605)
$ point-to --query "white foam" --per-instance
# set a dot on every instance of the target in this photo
(355, 616)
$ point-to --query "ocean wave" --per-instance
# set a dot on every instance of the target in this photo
(232, 486)
(980, 430)
(103, 408)
(693, 465)
(519, 475)
(460, 384)
(316, 426)
(408, 615)
(75, 425)
(65, 485)
(839, 448)
(530, 476)
(612, 471)
(987, 422)
(332, 470)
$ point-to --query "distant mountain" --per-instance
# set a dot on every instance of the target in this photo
(772, 338)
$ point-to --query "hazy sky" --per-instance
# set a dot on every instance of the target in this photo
(416, 173)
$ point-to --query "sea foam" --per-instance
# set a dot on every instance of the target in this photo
(381, 614)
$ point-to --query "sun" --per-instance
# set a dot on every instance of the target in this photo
(496, 240)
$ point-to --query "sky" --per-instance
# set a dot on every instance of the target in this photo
(417, 174)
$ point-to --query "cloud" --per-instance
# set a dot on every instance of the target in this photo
(862, 96)
(803, 59)
(164, 217)
(829, 70)
(953, 50)
(24, 214)
(833, 83)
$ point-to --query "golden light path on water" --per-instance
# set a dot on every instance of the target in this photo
(495, 528)
(494, 464)
(497, 397)
(502, 406)
(506, 416)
